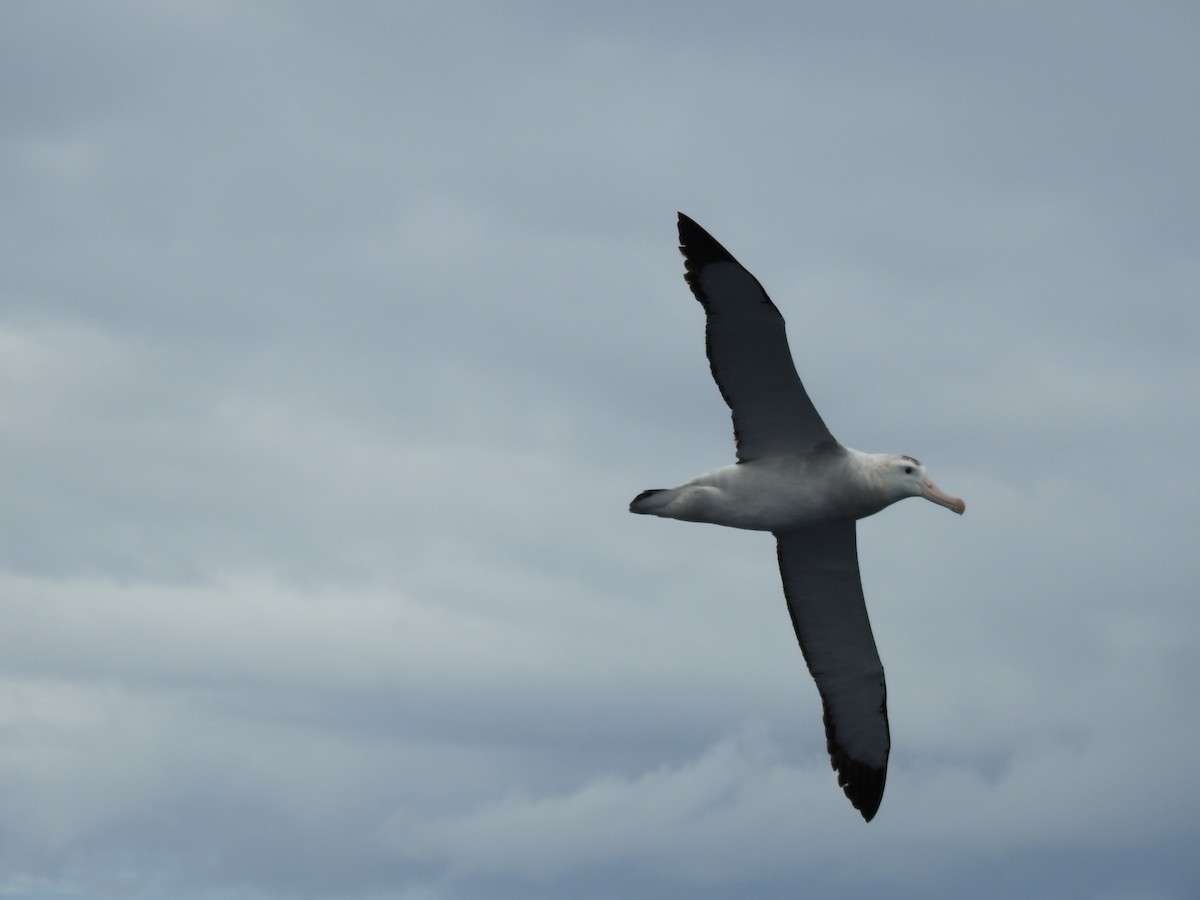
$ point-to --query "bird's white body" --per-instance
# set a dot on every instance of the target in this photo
(781, 493)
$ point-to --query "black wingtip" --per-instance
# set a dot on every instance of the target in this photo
(862, 784)
(699, 247)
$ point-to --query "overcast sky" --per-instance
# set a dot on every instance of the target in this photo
(336, 338)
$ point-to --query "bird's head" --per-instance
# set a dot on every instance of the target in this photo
(909, 479)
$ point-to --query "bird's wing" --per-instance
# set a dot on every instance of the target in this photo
(824, 594)
(748, 353)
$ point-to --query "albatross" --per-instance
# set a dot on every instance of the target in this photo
(795, 480)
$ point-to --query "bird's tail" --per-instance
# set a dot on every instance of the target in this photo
(649, 502)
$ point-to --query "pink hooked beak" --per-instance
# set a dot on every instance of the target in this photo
(935, 494)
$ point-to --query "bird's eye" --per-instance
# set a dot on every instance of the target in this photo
(908, 470)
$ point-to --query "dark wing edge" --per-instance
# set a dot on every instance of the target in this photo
(748, 352)
(700, 249)
(821, 582)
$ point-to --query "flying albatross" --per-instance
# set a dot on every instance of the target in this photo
(794, 479)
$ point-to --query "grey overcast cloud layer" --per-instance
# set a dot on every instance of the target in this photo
(335, 339)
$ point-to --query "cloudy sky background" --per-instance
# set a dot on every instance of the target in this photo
(335, 339)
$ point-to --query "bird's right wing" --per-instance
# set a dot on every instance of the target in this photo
(748, 353)
(819, 565)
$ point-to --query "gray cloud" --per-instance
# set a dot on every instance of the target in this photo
(334, 342)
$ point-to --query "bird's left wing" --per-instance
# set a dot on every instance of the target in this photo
(748, 353)
(819, 565)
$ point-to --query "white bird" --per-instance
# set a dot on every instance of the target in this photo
(794, 479)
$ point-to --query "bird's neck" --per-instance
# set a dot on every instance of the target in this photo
(870, 475)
